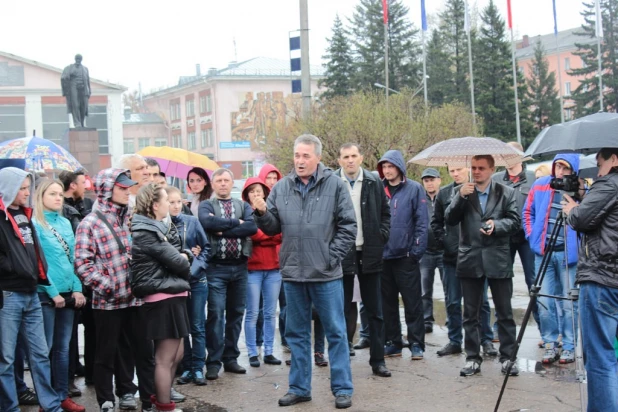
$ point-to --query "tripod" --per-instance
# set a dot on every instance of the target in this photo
(572, 297)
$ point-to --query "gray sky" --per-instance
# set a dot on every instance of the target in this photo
(130, 41)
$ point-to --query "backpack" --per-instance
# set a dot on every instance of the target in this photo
(246, 244)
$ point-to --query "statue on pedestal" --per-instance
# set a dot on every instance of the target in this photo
(75, 82)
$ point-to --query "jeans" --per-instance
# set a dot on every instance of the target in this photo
(282, 310)
(364, 321)
(452, 300)
(428, 265)
(259, 327)
(23, 311)
(599, 323)
(318, 335)
(402, 276)
(195, 348)
(227, 296)
(555, 283)
(58, 324)
(262, 285)
(21, 354)
(327, 298)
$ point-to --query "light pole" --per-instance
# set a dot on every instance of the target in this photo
(381, 86)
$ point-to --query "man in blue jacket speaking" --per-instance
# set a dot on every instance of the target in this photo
(402, 253)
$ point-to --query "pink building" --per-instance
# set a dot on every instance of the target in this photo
(141, 130)
(226, 114)
(563, 50)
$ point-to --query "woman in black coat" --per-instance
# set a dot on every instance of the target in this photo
(160, 274)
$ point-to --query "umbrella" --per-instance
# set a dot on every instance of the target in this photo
(588, 167)
(39, 154)
(585, 135)
(177, 162)
(458, 152)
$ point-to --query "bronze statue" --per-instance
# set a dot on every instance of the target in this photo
(75, 82)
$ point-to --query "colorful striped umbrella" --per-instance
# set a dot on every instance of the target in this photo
(39, 154)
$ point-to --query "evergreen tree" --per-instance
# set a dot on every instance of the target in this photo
(339, 63)
(493, 78)
(455, 42)
(586, 96)
(367, 28)
(440, 84)
(542, 92)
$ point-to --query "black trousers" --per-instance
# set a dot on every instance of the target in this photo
(74, 346)
(501, 292)
(372, 300)
(90, 341)
(121, 347)
(402, 276)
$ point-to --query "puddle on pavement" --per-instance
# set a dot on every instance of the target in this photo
(439, 313)
(203, 407)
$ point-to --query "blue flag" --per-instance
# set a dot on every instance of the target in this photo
(555, 19)
(423, 16)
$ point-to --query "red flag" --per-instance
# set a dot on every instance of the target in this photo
(385, 7)
(510, 14)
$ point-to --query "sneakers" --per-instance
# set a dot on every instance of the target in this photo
(567, 356)
(177, 397)
(489, 349)
(417, 352)
(514, 368)
(271, 360)
(28, 397)
(292, 399)
(343, 401)
(471, 368)
(198, 378)
(254, 361)
(551, 354)
(186, 377)
(127, 401)
(391, 350)
(68, 405)
(449, 349)
(320, 359)
(108, 407)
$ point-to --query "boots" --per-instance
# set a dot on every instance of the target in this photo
(164, 407)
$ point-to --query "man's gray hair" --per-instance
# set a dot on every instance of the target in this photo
(125, 160)
(220, 171)
(309, 139)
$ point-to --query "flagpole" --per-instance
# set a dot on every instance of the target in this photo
(424, 29)
(467, 24)
(559, 69)
(385, 19)
(510, 21)
(599, 33)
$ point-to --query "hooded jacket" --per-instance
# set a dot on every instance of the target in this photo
(157, 266)
(191, 234)
(265, 254)
(409, 214)
(537, 209)
(99, 262)
(266, 169)
(60, 269)
(318, 229)
(18, 273)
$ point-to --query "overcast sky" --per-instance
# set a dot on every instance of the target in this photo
(132, 41)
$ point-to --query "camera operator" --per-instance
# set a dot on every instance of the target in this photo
(540, 213)
(596, 217)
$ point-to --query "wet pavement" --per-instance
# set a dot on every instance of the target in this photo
(432, 384)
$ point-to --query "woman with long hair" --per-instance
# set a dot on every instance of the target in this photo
(264, 280)
(160, 273)
(200, 187)
(64, 294)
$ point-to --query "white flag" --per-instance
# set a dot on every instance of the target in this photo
(599, 22)
(467, 18)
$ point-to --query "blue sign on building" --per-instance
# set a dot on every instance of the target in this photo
(235, 145)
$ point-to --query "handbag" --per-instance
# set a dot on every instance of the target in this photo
(63, 243)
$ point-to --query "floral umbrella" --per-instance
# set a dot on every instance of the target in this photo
(177, 162)
(40, 154)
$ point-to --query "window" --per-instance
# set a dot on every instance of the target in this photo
(247, 169)
(176, 140)
(567, 63)
(568, 114)
(567, 88)
(207, 138)
(56, 124)
(190, 107)
(208, 104)
(160, 141)
(129, 146)
(97, 118)
(143, 142)
(202, 104)
(175, 111)
(191, 141)
(13, 122)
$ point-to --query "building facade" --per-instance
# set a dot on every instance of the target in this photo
(141, 130)
(226, 114)
(31, 102)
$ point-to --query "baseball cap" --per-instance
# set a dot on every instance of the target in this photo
(124, 181)
(430, 172)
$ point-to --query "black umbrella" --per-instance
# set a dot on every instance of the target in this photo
(585, 135)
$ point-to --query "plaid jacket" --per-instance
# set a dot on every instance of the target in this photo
(99, 262)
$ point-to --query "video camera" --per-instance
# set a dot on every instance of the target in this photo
(568, 183)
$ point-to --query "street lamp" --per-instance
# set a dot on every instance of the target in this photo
(381, 86)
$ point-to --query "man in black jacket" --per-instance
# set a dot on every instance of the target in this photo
(22, 268)
(487, 216)
(597, 274)
(364, 259)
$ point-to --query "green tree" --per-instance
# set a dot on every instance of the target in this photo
(338, 63)
(542, 92)
(367, 29)
(440, 84)
(586, 95)
(455, 41)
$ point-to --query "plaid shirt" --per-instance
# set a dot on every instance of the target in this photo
(99, 262)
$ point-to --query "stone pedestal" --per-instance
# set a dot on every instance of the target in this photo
(84, 145)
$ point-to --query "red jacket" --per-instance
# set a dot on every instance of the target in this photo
(265, 254)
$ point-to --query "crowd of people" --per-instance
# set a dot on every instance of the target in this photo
(162, 285)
